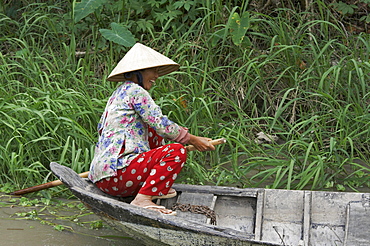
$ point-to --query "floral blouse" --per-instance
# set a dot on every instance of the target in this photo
(124, 126)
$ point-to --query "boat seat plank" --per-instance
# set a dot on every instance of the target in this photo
(216, 190)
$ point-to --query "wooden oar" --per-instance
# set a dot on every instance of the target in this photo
(44, 186)
(84, 175)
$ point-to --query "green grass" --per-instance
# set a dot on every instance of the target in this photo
(304, 79)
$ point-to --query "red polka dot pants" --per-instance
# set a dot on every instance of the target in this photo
(151, 173)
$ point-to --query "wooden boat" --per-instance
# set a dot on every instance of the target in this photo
(212, 215)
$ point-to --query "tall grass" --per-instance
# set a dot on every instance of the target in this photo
(301, 80)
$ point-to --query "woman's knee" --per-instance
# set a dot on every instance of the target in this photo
(179, 151)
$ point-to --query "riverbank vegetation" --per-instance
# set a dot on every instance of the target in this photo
(296, 71)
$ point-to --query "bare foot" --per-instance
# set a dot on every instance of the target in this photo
(145, 201)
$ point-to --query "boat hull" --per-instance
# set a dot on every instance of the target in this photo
(242, 216)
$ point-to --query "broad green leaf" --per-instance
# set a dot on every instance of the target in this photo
(86, 7)
(239, 27)
(119, 35)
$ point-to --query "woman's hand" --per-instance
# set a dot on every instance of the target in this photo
(201, 143)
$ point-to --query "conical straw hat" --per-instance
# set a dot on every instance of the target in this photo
(141, 57)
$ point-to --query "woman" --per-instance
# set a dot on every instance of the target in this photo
(130, 158)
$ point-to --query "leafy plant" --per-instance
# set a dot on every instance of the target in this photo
(119, 35)
(344, 8)
(244, 70)
(86, 7)
(239, 26)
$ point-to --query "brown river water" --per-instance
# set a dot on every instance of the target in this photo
(19, 229)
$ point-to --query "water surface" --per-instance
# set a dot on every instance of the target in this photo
(17, 230)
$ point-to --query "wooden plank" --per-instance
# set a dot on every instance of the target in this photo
(358, 224)
(329, 216)
(307, 218)
(243, 215)
(217, 190)
(259, 215)
(283, 217)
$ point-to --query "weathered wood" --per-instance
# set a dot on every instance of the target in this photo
(259, 215)
(358, 223)
(189, 232)
(244, 216)
(328, 217)
(218, 190)
(283, 216)
(307, 218)
(195, 199)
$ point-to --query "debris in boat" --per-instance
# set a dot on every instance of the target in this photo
(197, 209)
(263, 138)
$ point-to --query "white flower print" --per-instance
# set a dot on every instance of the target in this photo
(136, 108)
(129, 183)
(152, 172)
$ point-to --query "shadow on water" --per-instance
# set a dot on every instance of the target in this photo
(39, 225)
